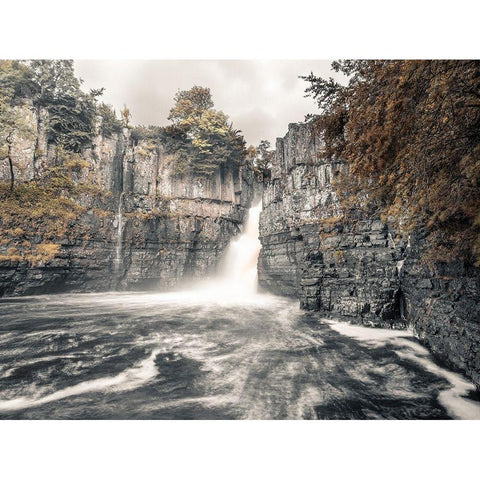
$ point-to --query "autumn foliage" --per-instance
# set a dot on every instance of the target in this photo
(410, 134)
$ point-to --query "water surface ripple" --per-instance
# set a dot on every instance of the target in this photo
(209, 355)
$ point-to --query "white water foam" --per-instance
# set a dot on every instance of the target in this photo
(129, 379)
(237, 280)
(118, 249)
(240, 264)
(453, 399)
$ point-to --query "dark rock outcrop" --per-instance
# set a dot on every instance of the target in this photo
(141, 225)
(442, 303)
(348, 269)
(359, 269)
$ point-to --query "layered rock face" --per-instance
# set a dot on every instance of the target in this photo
(360, 269)
(309, 252)
(442, 303)
(139, 226)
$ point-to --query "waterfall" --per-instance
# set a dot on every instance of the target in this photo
(236, 280)
(118, 250)
(239, 272)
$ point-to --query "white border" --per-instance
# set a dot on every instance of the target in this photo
(238, 450)
(247, 29)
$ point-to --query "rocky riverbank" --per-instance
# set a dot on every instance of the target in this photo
(360, 269)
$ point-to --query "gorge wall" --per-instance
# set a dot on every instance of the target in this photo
(360, 269)
(126, 220)
(129, 221)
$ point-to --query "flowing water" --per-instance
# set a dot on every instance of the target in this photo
(118, 248)
(221, 351)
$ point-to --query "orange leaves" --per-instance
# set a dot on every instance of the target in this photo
(410, 133)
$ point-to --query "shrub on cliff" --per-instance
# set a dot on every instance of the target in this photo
(110, 125)
(152, 134)
(410, 133)
(261, 158)
(35, 211)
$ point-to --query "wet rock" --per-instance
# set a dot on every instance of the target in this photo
(308, 252)
(362, 270)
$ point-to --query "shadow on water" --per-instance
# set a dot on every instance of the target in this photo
(161, 356)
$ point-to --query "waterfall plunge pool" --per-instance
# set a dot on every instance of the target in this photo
(219, 351)
(194, 355)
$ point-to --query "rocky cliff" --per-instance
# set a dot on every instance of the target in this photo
(359, 268)
(311, 252)
(128, 220)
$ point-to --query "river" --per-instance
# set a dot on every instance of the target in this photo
(217, 351)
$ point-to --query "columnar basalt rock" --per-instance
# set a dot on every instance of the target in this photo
(360, 269)
(173, 227)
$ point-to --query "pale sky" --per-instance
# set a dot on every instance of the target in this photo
(261, 97)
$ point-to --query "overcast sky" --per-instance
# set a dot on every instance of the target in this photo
(260, 97)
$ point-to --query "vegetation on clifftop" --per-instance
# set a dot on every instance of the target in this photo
(46, 209)
(200, 137)
(410, 133)
(261, 158)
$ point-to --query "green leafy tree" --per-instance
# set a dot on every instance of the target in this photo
(263, 157)
(53, 81)
(15, 80)
(71, 111)
(200, 137)
(189, 107)
(110, 123)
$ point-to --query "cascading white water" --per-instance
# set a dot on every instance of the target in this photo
(239, 272)
(236, 280)
(118, 249)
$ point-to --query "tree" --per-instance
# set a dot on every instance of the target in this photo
(110, 123)
(200, 137)
(53, 80)
(12, 123)
(14, 82)
(410, 133)
(71, 111)
(189, 107)
(264, 157)
(126, 116)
